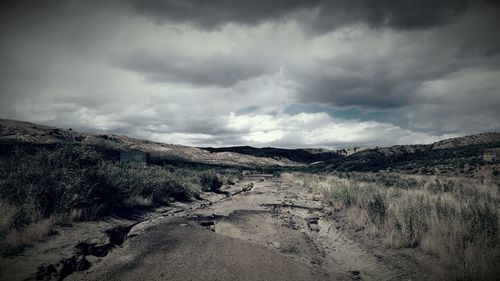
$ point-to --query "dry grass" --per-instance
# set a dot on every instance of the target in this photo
(8, 212)
(455, 219)
(34, 232)
(15, 238)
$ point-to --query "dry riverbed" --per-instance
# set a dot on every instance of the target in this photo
(263, 228)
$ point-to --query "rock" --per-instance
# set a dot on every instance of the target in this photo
(312, 220)
(314, 227)
(46, 272)
(248, 188)
(86, 249)
(209, 225)
(117, 235)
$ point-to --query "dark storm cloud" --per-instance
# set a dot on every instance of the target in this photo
(212, 14)
(398, 14)
(214, 70)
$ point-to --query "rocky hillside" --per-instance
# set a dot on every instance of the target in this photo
(479, 139)
(475, 155)
(13, 133)
(306, 156)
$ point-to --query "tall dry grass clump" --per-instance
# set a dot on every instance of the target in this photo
(455, 219)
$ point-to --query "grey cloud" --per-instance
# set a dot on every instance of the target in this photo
(209, 15)
(219, 70)
(397, 14)
(370, 80)
(213, 14)
(364, 92)
(391, 76)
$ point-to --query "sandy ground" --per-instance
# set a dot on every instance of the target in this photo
(275, 230)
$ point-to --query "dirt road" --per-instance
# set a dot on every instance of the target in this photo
(264, 228)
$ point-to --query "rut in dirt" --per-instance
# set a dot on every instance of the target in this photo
(79, 262)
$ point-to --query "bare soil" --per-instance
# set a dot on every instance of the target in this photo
(263, 228)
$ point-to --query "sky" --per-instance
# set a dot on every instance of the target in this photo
(298, 73)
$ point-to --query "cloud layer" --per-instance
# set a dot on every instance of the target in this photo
(227, 73)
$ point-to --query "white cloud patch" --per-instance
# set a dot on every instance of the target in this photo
(319, 130)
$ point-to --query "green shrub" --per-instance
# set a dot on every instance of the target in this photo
(210, 182)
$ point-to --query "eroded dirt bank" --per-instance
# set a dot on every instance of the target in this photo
(264, 228)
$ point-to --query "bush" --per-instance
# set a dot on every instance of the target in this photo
(409, 220)
(376, 207)
(210, 182)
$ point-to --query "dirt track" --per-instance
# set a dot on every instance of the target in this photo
(274, 230)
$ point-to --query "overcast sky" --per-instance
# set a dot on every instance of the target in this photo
(281, 73)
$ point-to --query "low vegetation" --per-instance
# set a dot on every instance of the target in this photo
(40, 187)
(210, 181)
(455, 219)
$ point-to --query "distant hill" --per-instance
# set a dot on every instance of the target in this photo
(306, 156)
(474, 155)
(15, 133)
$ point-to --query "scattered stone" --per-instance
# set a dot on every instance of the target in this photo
(356, 275)
(86, 249)
(67, 267)
(312, 223)
(117, 235)
(358, 229)
(46, 272)
(312, 220)
(248, 187)
(75, 263)
(209, 225)
(204, 205)
(314, 227)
